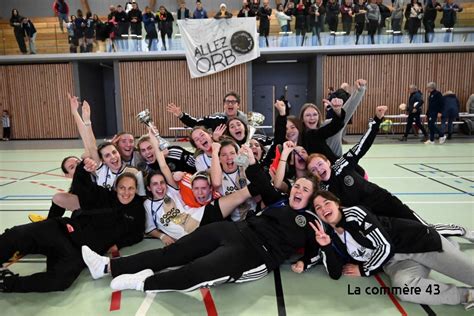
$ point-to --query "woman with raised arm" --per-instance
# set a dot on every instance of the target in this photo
(224, 251)
(351, 188)
(359, 243)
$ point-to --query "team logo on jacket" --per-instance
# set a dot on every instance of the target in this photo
(349, 181)
(300, 220)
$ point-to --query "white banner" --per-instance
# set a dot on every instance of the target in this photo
(214, 45)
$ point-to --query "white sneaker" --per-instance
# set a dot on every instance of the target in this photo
(470, 300)
(95, 262)
(468, 235)
(429, 142)
(131, 281)
(442, 140)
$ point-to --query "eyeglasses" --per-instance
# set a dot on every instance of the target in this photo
(231, 101)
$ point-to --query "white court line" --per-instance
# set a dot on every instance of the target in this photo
(421, 177)
(439, 202)
(146, 304)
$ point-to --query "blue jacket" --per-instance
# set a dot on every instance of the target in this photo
(435, 102)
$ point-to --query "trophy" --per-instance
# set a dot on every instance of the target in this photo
(144, 117)
(254, 120)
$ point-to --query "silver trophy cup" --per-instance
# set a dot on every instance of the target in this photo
(145, 118)
(254, 120)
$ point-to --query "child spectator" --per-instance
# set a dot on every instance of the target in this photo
(6, 125)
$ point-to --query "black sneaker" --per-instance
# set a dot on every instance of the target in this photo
(4, 274)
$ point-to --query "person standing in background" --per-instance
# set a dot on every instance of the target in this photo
(435, 106)
(15, 22)
(6, 125)
(61, 10)
(29, 31)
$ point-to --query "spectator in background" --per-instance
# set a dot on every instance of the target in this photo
(413, 108)
(264, 13)
(165, 25)
(112, 27)
(223, 13)
(149, 21)
(300, 12)
(72, 38)
(373, 19)
(343, 94)
(80, 24)
(61, 10)
(435, 107)
(199, 13)
(346, 16)
(89, 32)
(6, 125)
(135, 18)
(397, 16)
(384, 15)
(450, 10)
(246, 11)
(317, 13)
(332, 15)
(15, 22)
(121, 32)
(470, 104)
(431, 10)
(290, 11)
(254, 6)
(101, 33)
(30, 33)
(359, 11)
(183, 12)
(450, 111)
(283, 21)
(414, 18)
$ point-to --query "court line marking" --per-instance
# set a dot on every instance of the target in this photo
(35, 174)
(447, 172)
(116, 297)
(146, 304)
(279, 292)
(416, 172)
(391, 296)
(208, 301)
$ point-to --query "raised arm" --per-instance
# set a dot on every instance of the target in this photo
(165, 169)
(280, 132)
(216, 169)
(364, 144)
(279, 179)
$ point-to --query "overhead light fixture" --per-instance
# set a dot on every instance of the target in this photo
(282, 61)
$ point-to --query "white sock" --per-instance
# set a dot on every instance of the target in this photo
(97, 264)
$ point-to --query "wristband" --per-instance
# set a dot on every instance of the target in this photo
(89, 123)
(282, 160)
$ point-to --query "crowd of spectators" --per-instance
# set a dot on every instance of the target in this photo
(122, 29)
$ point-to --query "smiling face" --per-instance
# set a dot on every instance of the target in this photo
(237, 130)
(256, 149)
(227, 156)
(147, 152)
(327, 210)
(320, 168)
(311, 118)
(111, 157)
(70, 166)
(202, 140)
(126, 190)
(157, 186)
(125, 145)
(202, 190)
(231, 106)
(292, 132)
(300, 194)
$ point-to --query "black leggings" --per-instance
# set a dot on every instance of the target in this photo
(215, 253)
(414, 117)
(64, 260)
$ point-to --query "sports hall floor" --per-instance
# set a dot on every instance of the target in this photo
(437, 181)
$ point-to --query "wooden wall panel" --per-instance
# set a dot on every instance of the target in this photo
(389, 77)
(36, 97)
(154, 84)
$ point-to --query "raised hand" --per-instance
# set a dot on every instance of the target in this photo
(322, 238)
(351, 269)
(281, 107)
(74, 102)
(90, 165)
(216, 147)
(380, 111)
(288, 147)
(218, 132)
(360, 83)
(245, 150)
(173, 108)
(86, 113)
(298, 267)
(153, 139)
